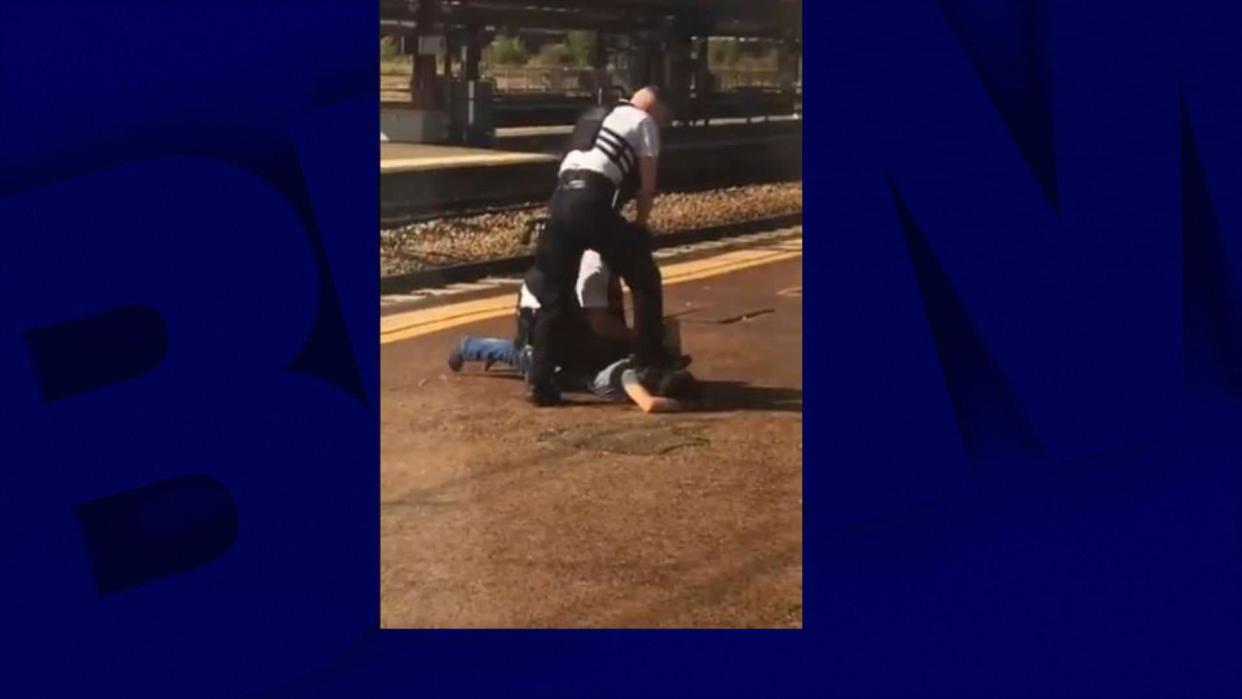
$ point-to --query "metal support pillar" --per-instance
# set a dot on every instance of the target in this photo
(471, 54)
(678, 74)
(469, 98)
(704, 84)
(599, 61)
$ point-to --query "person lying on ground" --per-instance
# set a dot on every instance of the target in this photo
(665, 391)
(660, 390)
(601, 363)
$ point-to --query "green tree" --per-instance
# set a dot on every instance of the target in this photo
(554, 55)
(581, 47)
(388, 48)
(757, 55)
(723, 52)
(508, 51)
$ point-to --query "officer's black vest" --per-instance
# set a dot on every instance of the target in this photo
(591, 134)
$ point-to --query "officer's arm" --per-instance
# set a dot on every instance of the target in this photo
(643, 398)
(648, 167)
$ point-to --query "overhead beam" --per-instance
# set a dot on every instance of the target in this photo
(749, 11)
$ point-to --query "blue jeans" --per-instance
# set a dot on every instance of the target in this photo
(606, 383)
(494, 349)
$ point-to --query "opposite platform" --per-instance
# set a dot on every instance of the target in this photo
(406, 157)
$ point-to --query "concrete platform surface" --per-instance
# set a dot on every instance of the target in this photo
(497, 514)
(403, 157)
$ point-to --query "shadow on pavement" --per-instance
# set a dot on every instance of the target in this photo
(714, 396)
(494, 373)
(726, 396)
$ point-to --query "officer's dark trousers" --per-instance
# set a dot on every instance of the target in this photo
(579, 219)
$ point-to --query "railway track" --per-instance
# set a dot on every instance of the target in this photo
(506, 232)
(457, 211)
(411, 196)
(468, 272)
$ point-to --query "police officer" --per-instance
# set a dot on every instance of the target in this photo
(593, 183)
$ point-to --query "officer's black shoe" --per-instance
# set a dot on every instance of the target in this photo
(650, 377)
(543, 396)
(670, 360)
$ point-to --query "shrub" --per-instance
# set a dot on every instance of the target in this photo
(581, 46)
(508, 51)
(388, 48)
(554, 55)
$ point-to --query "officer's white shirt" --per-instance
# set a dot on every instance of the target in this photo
(635, 126)
(592, 286)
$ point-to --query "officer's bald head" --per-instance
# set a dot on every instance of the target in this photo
(648, 100)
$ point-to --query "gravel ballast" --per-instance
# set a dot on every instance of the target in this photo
(458, 240)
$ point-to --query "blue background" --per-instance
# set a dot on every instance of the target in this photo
(1025, 456)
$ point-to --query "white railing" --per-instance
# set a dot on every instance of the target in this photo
(544, 79)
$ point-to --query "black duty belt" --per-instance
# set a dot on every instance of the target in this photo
(586, 179)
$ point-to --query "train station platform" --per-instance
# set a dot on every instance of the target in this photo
(405, 157)
(497, 514)
(422, 179)
(564, 129)
(736, 132)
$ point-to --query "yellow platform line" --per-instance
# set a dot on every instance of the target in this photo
(479, 159)
(424, 321)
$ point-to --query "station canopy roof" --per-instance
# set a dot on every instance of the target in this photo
(773, 18)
